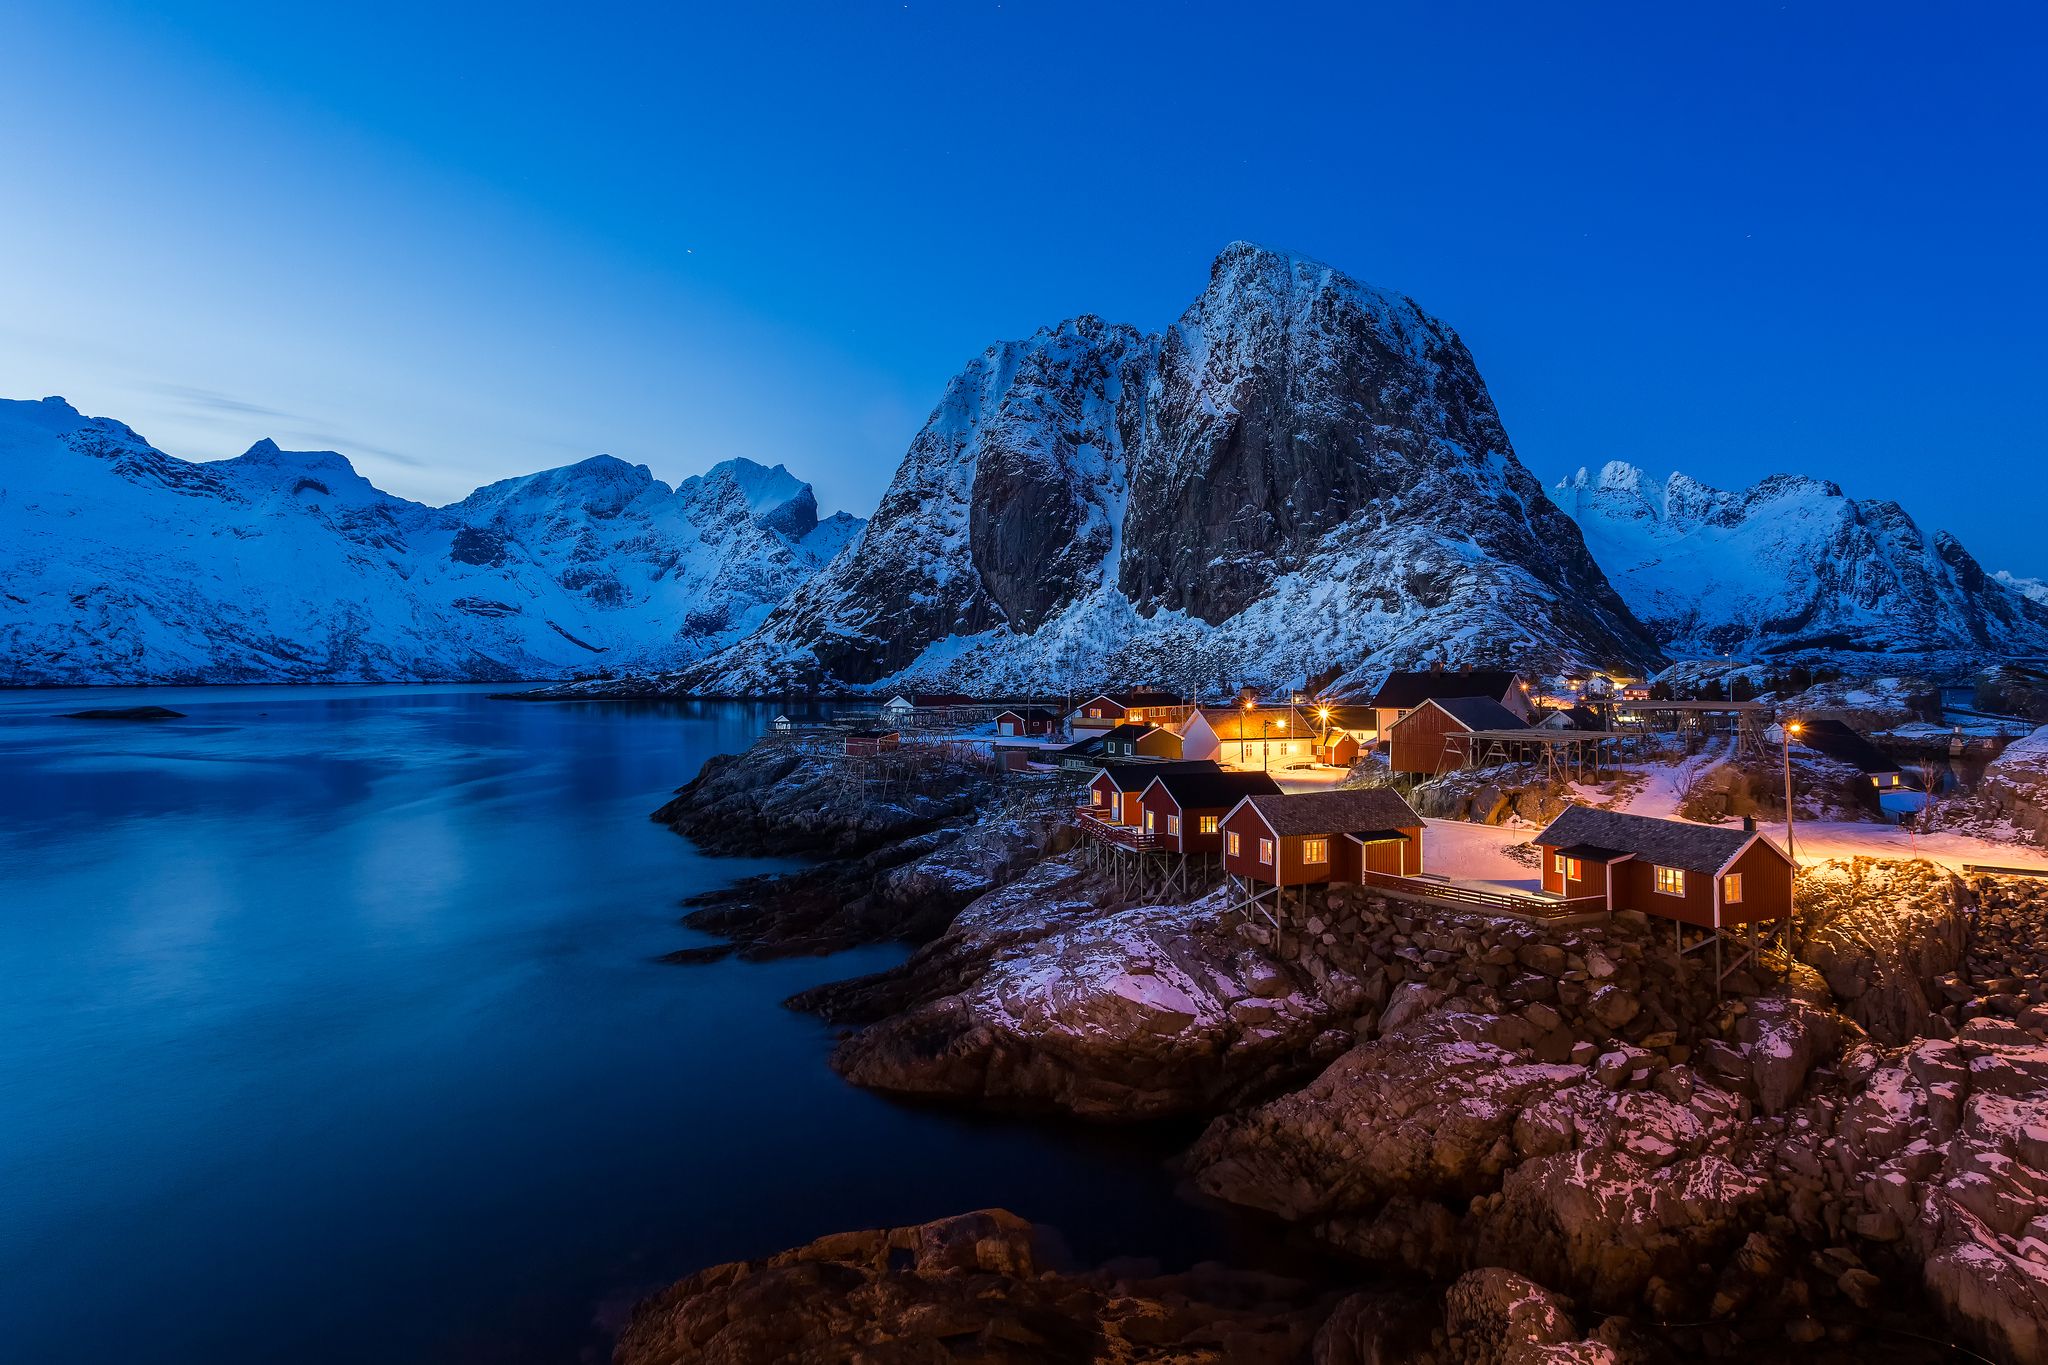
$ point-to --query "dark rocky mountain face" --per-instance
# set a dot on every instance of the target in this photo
(1301, 472)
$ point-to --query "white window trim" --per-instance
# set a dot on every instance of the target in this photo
(1731, 888)
(1266, 852)
(1208, 824)
(1308, 852)
(1233, 845)
(1657, 871)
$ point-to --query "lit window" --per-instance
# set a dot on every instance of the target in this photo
(1575, 870)
(1671, 881)
(1148, 822)
(1134, 715)
(1731, 889)
(1097, 794)
(1315, 850)
(1205, 824)
(1232, 844)
(1266, 851)
(1557, 863)
(1095, 713)
(1173, 825)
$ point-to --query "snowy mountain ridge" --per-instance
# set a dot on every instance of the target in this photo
(1302, 474)
(1791, 564)
(123, 564)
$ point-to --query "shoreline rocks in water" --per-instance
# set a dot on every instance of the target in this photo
(126, 713)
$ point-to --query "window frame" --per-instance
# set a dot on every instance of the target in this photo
(1208, 824)
(1731, 889)
(1574, 870)
(1315, 852)
(1266, 851)
(1232, 844)
(1659, 874)
(1173, 826)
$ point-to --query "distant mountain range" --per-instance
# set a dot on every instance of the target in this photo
(1793, 564)
(1302, 477)
(119, 563)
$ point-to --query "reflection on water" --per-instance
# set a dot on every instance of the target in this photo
(330, 1030)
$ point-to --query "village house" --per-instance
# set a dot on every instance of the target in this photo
(782, 725)
(1343, 732)
(1083, 755)
(872, 743)
(1578, 717)
(1403, 692)
(1437, 735)
(1707, 876)
(1107, 710)
(1266, 738)
(1185, 808)
(1836, 740)
(1114, 790)
(1135, 740)
(1310, 838)
(1025, 722)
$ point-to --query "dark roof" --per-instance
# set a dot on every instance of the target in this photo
(1083, 748)
(1476, 713)
(1345, 717)
(1028, 713)
(1336, 812)
(1128, 730)
(1669, 843)
(1592, 853)
(1375, 836)
(1130, 699)
(1196, 790)
(1135, 777)
(1838, 741)
(1406, 690)
(1575, 718)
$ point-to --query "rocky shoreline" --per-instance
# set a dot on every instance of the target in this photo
(1560, 1142)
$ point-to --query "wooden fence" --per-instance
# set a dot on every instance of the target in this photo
(1478, 898)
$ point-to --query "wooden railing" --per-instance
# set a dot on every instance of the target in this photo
(1125, 836)
(1499, 902)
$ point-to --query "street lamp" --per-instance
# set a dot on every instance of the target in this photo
(1266, 728)
(1789, 731)
(1244, 743)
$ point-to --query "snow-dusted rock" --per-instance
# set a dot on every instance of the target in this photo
(1302, 471)
(1883, 933)
(123, 564)
(1791, 563)
(1119, 1016)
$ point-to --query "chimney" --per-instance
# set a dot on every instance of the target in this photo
(1749, 824)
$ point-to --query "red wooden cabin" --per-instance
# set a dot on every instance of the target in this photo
(1185, 810)
(1113, 791)
(1031, 720)
(1308, 838)
(1435, 737)
(1703, 875)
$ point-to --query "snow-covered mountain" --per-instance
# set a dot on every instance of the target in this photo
(2033, 589)
(1792, 564)
(119, 563)
(1302, 473)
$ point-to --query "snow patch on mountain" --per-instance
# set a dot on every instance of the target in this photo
(2033, 589)
(122, 564)
(1789, 565)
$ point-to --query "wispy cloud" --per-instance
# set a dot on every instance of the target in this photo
(213, 400)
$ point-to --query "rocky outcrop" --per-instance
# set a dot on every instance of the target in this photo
(1037, 999)
(1492, 796)
(1883, 933)
(983, 1286)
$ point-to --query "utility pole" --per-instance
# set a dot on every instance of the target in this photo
(1788, 731)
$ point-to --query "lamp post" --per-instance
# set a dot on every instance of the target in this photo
(1266, 728)
(1244, 743)
(1789, 731)
(1323, 739)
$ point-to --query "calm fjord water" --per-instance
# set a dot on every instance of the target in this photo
(331, 1030)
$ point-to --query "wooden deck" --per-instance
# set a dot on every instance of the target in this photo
(1433, 891)
(1132, 837)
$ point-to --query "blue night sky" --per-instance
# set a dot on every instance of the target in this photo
(1732, 240)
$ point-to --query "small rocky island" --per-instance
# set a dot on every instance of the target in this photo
(1515, 1141)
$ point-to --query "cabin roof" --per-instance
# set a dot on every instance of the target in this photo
(1669, 843)
(1028, 713)
(1347, 717)
(1335, 812)
(1141, 699)
(1128, 730)
(1195, 789)
(1474, 713)
(1838, 741)
(1573, 718)
(1405, 690)
(1135, 777)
